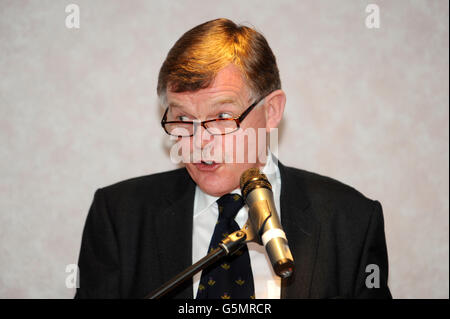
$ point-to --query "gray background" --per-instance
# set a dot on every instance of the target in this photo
(78, 111)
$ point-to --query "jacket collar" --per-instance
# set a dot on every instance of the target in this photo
(174, 232)
(302, 232)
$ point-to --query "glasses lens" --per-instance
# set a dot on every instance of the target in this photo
(221, 126)
(179, 129)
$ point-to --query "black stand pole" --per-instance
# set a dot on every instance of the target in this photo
(227, 247)
(188, 273)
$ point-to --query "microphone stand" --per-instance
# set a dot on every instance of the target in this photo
(227, 247)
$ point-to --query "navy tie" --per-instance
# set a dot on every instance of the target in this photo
(230, 277)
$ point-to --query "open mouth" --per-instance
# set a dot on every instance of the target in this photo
(207, 165)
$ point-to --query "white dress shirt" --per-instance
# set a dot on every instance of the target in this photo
(267, 283)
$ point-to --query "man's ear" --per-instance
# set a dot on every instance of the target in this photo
(274, 108)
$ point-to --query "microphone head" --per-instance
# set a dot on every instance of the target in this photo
(251, 179)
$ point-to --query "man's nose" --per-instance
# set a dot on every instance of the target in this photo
(201, 136)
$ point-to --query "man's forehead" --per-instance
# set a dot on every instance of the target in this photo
(227, 86)
(218, 97)
(180, 103)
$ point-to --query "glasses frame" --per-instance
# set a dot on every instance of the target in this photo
(195, 124)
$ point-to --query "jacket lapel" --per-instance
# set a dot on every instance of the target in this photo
(174, 233)
(302, 231)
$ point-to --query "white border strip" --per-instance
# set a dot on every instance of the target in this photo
(271, 234)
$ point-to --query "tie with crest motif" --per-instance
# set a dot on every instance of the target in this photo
(231, 277)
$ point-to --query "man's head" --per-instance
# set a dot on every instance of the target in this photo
(216, 71)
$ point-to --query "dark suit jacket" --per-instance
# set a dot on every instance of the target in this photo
(138, 235)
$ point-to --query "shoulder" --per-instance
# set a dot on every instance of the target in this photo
(319, 185)
(331, 198)
(153, 186)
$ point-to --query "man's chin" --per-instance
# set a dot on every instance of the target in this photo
(213, 179)
(214, 189)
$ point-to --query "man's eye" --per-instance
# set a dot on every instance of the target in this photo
(182, 118)
(224, 116)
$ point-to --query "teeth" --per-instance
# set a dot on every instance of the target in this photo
(208, 162)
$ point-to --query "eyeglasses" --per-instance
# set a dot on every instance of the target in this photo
(214, 127)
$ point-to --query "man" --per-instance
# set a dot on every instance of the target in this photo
(219, 83)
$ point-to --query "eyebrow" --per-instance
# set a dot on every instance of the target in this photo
(174, 104)
(225, 101)
(215, 104)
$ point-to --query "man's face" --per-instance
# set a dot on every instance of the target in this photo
(228, 96)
